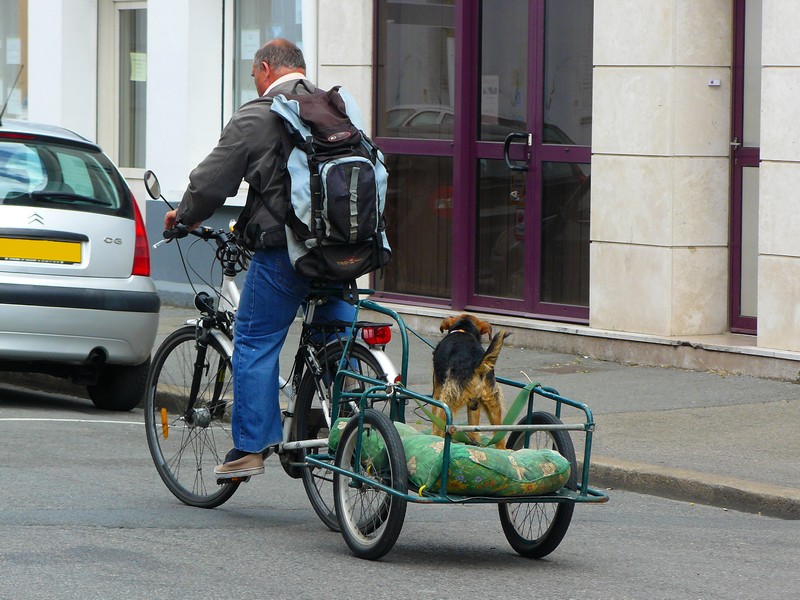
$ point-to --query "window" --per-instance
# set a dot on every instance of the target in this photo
(416, 69)
(13, 57)
(58, 176)
(257, 22)
(132, 87)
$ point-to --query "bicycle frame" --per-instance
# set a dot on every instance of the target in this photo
(190, 388)
(229, 298)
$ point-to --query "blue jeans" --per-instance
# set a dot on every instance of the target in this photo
(270, 297)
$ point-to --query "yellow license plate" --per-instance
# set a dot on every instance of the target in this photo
(46, 251)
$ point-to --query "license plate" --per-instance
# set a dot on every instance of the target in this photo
(44, 251)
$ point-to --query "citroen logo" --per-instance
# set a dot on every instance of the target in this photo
(35, 218)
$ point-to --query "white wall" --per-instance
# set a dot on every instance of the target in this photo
(184, 72)
(62, 64)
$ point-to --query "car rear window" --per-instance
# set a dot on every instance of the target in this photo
(37, 173)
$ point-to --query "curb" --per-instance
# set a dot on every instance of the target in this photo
(695, 487)
(677, 484)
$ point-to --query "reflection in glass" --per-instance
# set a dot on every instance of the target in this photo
(416, 79)
(752, 74)
(567, 93)
(255, 23)
(419, 208)
(503, 76)
(500, 231)
(132, 87)
(749, 274)
(566, 204)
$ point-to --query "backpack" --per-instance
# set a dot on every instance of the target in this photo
(335, 225)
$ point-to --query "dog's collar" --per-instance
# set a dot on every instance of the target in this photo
(456, 331)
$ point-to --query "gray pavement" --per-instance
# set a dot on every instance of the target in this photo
(711, 438)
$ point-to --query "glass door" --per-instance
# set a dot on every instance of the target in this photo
(745, 153)
(483, 110)
(532, 153)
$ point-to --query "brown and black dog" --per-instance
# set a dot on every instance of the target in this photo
(463, 372)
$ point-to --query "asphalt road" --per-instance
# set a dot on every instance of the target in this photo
(83, 514)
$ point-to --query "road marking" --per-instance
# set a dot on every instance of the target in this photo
(51, 420)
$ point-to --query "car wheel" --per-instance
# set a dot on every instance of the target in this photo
(120, 387)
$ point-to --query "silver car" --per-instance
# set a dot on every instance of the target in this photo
(76, 297)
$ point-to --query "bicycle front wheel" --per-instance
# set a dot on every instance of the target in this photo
(311, 422)
(188, 436)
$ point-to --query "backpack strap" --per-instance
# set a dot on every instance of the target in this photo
(350, 292)
(315, 184)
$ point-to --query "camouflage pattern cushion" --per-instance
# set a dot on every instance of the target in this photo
(474, 471)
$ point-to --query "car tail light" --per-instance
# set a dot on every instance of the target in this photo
(17, 136)
(377, 335)
(141, 251)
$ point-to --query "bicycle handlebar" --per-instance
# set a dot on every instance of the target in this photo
(180, 231)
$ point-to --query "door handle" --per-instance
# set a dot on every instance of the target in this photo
(515, 166)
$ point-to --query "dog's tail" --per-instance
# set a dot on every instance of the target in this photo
(492, 353)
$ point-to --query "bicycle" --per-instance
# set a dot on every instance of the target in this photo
(190, 394)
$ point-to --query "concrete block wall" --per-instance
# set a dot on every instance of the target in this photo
(779, 227)
(660, 170)
(345, 40)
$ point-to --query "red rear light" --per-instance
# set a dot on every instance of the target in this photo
(141, 252)
(377, 335)
(17, 136)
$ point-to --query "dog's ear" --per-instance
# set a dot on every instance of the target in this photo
(484, 328)
(447, 324)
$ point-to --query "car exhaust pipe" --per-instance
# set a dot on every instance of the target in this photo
(97, 357)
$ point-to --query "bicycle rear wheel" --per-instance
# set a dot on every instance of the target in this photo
(186, 444)
(310, 422)
(535, 529)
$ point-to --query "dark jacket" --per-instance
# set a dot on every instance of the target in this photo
(251, 147)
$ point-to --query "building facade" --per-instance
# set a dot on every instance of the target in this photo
(623, 166)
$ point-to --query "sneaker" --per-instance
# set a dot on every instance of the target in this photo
(240, 464)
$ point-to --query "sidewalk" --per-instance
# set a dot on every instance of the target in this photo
(730, 441)
(726, 440)
(711, 438)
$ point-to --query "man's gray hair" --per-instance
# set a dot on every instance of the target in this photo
(280, 54)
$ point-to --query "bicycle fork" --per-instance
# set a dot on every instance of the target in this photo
(202, 417)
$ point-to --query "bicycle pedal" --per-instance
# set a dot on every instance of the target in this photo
(224, 480)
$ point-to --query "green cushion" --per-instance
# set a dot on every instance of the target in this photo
(474, 471)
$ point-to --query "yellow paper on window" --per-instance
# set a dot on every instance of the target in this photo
(138, 66)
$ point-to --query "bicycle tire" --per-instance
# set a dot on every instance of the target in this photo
(535, 529)
(185, 453)
(370, 519)
(310, 423)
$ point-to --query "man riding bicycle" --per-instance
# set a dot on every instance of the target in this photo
(250, 149)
